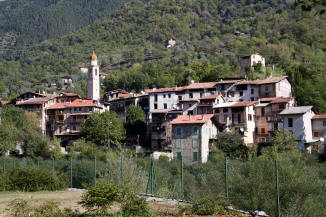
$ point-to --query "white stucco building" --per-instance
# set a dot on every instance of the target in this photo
(93, 81)
(298, 121)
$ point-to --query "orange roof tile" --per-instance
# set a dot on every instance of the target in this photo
(244, 103)
(192, 119)
(162, 90)
(276, 99)
(212, 96)
(323, 116)
(37, 100)
(93, 57)
(269, 80)
(202, 85)
(75, 103)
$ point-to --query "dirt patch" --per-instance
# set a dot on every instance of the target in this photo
(67, 199)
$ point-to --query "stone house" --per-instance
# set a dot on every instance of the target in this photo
(319, 132)
(246, 90)
(64, 119)
(268, 118)
(237, 117)
(298, 121)
(192, 136)
(250, 60)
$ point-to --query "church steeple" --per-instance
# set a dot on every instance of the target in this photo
(93, 59)
(93, 81)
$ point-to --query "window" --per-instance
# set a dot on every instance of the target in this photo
(191, 95)
(74, 127)
(155, 98)
(169, 95)
(195, 143)
(252, 99)
(95, 72)
(195, 156)
(252, 91)
(241, 93)
(179, 156)
(324, 123)
(165, 106)
(249, 117)
(155, 106)
(225, 110)
(189, 105)
(316, 134)
(266, 94)
(256, 130)
(262, 130)
(225, 118)
(180, 97)
(239, 118)
(217, 111)
(164, 96)
(195, 130)
(178, 131)
(262, 111)
(178, 143)
(281, 107)
(201, 95)
(290, 122)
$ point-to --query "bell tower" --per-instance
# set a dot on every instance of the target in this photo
(93, 81)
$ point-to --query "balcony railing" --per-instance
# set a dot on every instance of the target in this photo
(80, 121)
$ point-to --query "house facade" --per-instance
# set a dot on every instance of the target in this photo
(192, 136)
(298, 121)
(250, 60)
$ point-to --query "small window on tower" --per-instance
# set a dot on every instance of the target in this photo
(95, 72)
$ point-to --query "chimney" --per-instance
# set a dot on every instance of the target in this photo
(192, 81)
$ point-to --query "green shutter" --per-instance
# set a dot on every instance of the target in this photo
(178, 143)
(178, 131)
(179, 156)
(195, 143)
(195, 156)
(195, 130)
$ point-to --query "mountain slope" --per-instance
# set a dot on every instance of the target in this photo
(32, 21)
(211, 35)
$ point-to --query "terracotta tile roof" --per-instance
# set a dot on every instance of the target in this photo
(69, 94)
(103, 74)
(124, 95)
(230, 81)
(276, 99)
(323, 116)
(269, 80)
(192, 119)
(244, 103)
(162, 90)
(201, 85)
(3, 102)
(37, 100)
(75, 103)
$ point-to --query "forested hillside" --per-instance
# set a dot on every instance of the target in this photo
(211, 35)
(31, 21)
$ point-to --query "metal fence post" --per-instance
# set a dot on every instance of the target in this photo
(70, 172)
(277, 190)
(182, 181)
(95, 171)
(38, 163)
(226, 178)
(152, 176)
(4, 165)
(122, 173)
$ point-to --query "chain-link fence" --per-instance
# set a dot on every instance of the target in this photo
(262, 184)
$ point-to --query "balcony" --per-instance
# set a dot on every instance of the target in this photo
(60, 122)
(274, 118)
(78, 121)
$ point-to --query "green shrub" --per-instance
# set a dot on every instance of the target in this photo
(135, 206)
(35, 179)
(101, 197)
(205, 206)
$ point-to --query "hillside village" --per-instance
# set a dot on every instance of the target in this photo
(183, 121)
